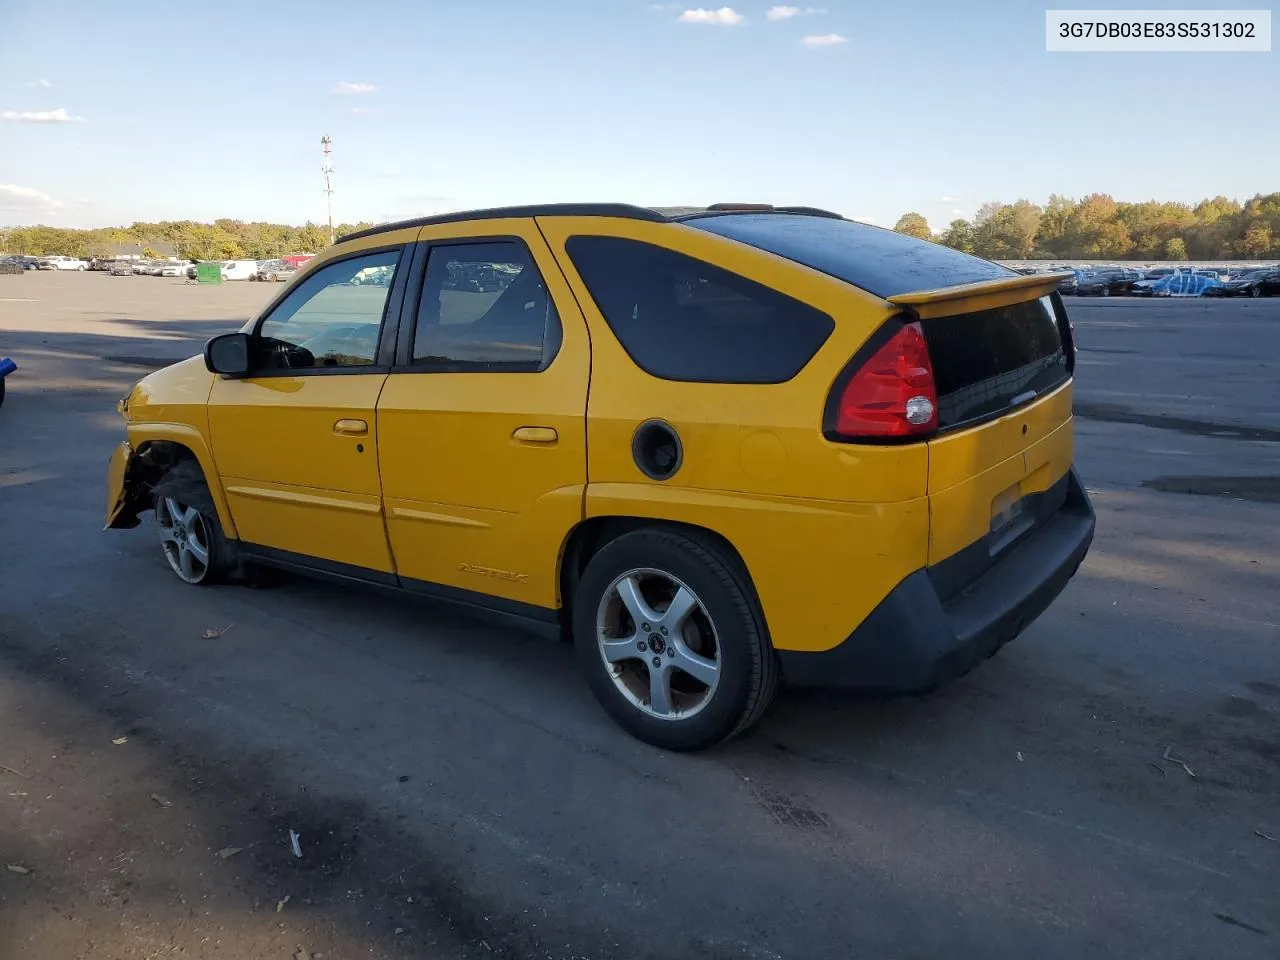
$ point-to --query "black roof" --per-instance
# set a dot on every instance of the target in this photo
(623, 210)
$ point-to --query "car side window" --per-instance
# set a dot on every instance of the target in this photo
(485, 307)
(680, 318)
(333, 318)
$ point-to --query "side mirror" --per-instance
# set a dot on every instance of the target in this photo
(228, 354)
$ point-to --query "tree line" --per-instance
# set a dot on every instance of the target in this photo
(1100, 228)
(220, 240)
(1093, 228)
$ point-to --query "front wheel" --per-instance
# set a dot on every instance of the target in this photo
(1256, 292)
(672, 640)
(191, 536)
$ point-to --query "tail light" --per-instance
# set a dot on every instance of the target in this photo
(889, 396)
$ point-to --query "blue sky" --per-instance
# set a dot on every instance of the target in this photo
(216, 109)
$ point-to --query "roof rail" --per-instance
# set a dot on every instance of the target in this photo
(810, 212)
(722, 207)
(623, 210)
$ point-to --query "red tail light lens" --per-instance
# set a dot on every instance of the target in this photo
(891, 395)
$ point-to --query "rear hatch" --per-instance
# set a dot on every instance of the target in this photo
(999, 347)
(1002, 361)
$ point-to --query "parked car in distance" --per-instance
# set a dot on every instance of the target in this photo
(278, 272)
(240, 270)
(120, 268)
(1181, 285)
(1106, 283)
(1257, 283)
(298, 259)
(1067, 285)
(819, 451)
(62, 263)
(174, 268)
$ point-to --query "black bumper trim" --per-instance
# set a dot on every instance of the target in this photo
(913, 641)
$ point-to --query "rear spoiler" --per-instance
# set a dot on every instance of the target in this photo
(983, 295)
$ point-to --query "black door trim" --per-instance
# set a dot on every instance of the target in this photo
(350, 573)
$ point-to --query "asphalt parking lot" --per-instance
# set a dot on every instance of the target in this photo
(1108, 785)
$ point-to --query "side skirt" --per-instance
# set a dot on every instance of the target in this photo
(346, 573)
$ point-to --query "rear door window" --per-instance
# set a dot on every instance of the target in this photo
(485, 307)
(680, 318)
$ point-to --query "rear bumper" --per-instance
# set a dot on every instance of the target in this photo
(915, 640)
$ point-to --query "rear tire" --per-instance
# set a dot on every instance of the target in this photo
(1255, 292)
(637, 667)
(191, 536)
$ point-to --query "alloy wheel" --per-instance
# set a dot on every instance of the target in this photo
(659, 644)
(184, 537)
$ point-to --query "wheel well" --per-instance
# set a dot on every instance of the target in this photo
(155, 457)
(590, 536)
(150, 462)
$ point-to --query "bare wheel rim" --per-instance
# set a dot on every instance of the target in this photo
(659, 644)
(184, 537)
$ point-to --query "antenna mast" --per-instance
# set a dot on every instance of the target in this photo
(327, 169)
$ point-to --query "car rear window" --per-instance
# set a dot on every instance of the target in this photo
(877, 260)
(680, 318)
(989, 361)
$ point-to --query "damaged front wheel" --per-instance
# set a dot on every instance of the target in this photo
(190, 534)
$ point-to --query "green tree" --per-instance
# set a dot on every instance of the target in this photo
(1175, 249)
(1256, 242)
(958, 236)
(1006, 231)
(913, 225)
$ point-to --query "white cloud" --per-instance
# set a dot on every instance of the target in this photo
(781, 13)
(14, 197)
(958, 213)
(824, 40)
(345, 87)
(38, 83)
(948, 199)
(724, 17)
(664, 7)
(364, 111)
(46, 116)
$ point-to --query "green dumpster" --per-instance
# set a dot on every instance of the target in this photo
(208, 273)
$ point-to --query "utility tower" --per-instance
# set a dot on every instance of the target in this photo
(327, 169)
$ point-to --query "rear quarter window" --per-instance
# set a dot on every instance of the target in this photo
(680, 318)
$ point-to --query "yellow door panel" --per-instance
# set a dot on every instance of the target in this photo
(963, 512)
(332, 525)
(509, 554)
(819, 567)
(483, 468)
(299, 470)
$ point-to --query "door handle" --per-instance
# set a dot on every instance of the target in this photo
(351, 428)
(535, 435)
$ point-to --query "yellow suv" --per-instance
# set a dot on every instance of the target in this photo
(722, 448)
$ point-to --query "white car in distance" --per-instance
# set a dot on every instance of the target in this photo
(66, 263)
(240, 270)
